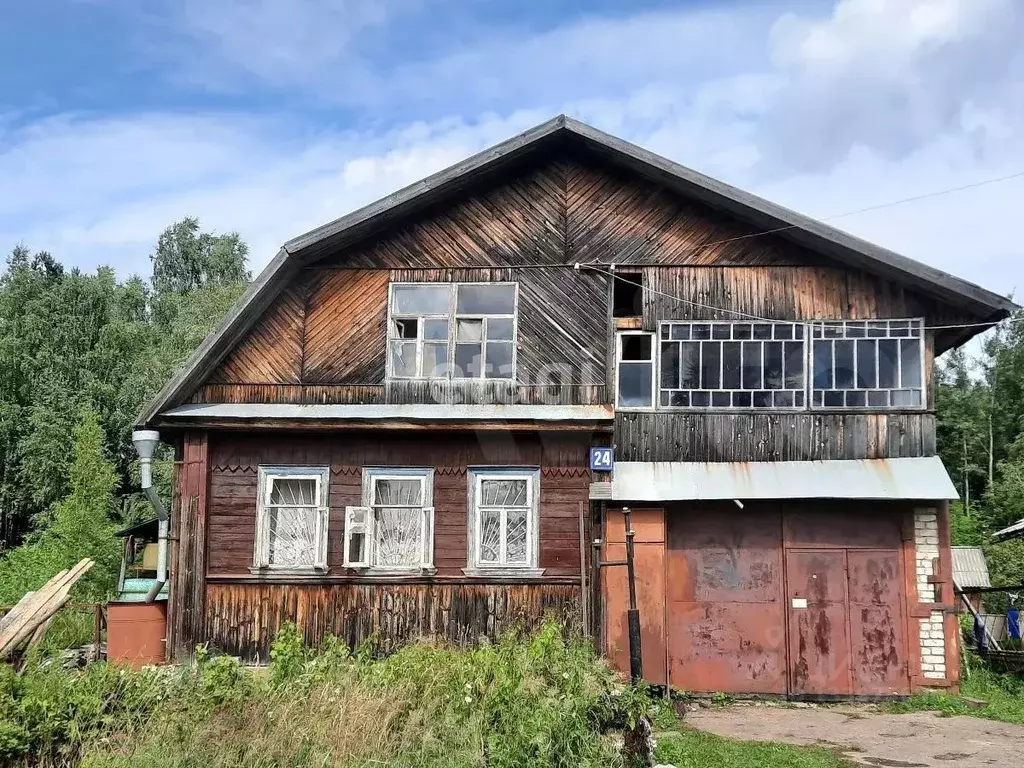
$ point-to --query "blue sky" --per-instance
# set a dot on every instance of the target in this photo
(270, 117)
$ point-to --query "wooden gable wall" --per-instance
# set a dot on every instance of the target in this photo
(323, 341)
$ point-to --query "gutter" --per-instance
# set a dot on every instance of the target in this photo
(146, 442)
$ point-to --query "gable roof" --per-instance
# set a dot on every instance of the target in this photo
(761, 213)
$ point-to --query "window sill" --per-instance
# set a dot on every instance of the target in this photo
(393, 572)
(504, 573)
(271, 571)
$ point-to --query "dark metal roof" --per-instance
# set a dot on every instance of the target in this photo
(800, 229)
(148, 528)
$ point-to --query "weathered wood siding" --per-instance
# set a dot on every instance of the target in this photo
(235, 459)
(332, 327)
(187, 560)
(772, 436)
(242, 619)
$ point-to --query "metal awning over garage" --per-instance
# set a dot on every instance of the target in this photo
(923, 479)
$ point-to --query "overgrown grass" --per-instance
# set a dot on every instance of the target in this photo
(1004, 694)
(697, 749)
(545, 700)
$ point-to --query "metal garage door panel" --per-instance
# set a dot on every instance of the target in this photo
(828, 524)
(818, 642)
(719, 554)
(727, 647)
(649, 564)
(877, 628)
(726, 614)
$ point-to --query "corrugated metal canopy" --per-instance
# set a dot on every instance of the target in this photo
(923, 479)
(970, 568)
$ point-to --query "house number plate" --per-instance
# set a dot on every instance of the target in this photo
(601, 459)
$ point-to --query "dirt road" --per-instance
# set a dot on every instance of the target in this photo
(918, 740)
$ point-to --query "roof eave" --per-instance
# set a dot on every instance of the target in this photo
(200, 363)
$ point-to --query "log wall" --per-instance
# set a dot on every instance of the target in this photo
(242, 619)
(235, 459)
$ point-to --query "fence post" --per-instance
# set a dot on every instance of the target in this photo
(97, 631)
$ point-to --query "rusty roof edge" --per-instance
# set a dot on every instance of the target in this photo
(921, 478)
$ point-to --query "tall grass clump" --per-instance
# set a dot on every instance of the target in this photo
(527, 700)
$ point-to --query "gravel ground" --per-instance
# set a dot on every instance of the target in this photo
(917, 740)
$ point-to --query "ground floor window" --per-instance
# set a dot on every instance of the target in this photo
(291, 519)
(503, 521)
(393, 530)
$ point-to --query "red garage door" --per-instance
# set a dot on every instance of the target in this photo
(726, 615)
(796, 598)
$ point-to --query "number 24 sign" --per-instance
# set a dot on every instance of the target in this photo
(601, 459)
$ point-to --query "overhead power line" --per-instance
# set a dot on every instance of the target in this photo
(758, 318)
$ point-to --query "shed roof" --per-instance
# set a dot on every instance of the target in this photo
(1015, 531)
(970, 568)
(921, 479)
(562, 131)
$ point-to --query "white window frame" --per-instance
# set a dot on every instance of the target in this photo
(368, 564)
(809, 388)
(531, 568)
(654, 361)
(912, 323)
(267, 475)
(452, 316)
(721, 366)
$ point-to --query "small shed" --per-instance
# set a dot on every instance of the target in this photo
(970, 571)
(1015, 531)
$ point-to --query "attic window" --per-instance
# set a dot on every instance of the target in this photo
(628, 294)
(452, 331)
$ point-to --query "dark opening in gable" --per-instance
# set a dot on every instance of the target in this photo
(628, 294)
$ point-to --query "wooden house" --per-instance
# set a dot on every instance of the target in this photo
(391, 432)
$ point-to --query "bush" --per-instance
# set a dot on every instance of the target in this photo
(542, 700)
(78, 526)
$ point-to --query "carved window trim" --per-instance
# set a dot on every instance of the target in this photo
(367, 525)
(528, 569)
(267, 476)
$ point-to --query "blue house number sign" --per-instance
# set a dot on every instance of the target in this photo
(601, 460)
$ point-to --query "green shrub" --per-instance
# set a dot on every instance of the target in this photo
(542, 700)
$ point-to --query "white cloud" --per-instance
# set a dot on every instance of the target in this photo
(823, 111)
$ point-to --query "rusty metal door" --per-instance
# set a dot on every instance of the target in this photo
(726, 618)
(819, 643)
(877, 623)
(649, 563)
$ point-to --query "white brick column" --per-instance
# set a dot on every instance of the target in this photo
(933, 638)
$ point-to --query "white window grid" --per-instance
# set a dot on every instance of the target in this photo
(865, 387)
(532, 478)
(752, 341)
(267, 477)
(362, 520)
(902, 329)
(452, 316)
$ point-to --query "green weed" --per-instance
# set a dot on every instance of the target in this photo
(696, 749)
(1003, 694)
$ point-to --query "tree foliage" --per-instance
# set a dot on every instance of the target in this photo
(980, 430)
(72, 342)
(78, 526)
